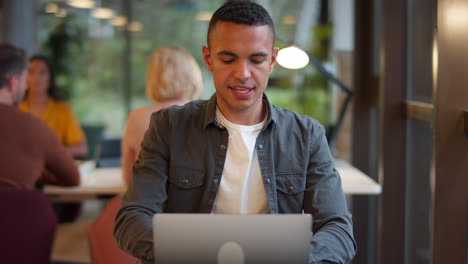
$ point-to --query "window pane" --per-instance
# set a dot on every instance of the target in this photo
(109, 65)
(419, 199)
(421, 23)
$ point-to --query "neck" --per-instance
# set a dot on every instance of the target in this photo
(37, 99)
(246, 118)
(5, 97)
(5, 101)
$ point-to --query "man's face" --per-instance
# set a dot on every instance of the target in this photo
(20, 90)
(241, 58)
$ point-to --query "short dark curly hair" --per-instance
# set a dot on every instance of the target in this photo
(241, 12)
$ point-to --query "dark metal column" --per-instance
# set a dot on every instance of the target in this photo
(392, 170)
(19, 23)
(365, 124)
(127, 66)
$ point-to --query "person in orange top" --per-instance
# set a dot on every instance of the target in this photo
(43, 101)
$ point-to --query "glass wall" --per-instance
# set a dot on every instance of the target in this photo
(102, 61)
(421, 26)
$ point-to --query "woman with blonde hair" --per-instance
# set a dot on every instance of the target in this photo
(173, 78)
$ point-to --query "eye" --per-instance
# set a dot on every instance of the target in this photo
(225, 61)
(227, 58)
(257, 59)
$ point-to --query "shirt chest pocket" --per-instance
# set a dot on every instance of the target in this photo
(186, 179)
(291, 183)
(184, 191)
(290, 190)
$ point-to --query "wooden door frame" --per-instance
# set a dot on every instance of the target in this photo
(393, 88)
(450, 207)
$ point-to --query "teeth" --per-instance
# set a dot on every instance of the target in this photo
(241, 90)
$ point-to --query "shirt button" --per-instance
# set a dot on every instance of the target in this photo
(215, 181)
(185, 181)
(290, 188)
(260, 146)
(267, 180)
(222, 147)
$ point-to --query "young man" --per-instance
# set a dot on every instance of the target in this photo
(28, 145)
(237, 153)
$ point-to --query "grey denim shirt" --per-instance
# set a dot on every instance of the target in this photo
(181, 163)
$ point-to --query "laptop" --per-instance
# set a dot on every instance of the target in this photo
(231, 239)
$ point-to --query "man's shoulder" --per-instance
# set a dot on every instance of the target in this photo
(286, 117)
(23, 121)
(290, 123)
(20, 117)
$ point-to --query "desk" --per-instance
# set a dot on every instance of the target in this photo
(95, 183)
(355, 181)
(98, 182)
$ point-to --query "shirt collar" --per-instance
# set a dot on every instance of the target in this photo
(210, 113)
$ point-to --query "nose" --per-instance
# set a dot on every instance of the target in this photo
(242, 71)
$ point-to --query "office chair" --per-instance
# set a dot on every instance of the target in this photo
(108, 153)
(27, 227)
(102, 245)
(93, 135)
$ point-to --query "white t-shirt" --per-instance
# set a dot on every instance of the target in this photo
(241, 189)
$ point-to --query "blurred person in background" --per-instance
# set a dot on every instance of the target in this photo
(173, 78)
(43, 101)
(28, 145)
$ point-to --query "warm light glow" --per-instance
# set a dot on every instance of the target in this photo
(61, 13)
(435, 62)
(103, 13)
(455, 18)
(292, 58)
(81, 3)
(119, 21)
(289, 20)
(52, 8)
(204, 16)
(135, 26)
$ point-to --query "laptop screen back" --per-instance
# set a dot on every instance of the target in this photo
(233, 239)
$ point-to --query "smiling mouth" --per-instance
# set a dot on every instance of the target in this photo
(242, 90)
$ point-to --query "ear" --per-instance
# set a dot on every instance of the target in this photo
(207, 58)
(12, 83)
(273, 58)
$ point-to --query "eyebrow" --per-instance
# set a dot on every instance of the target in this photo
(259, 54)
(228, 53)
